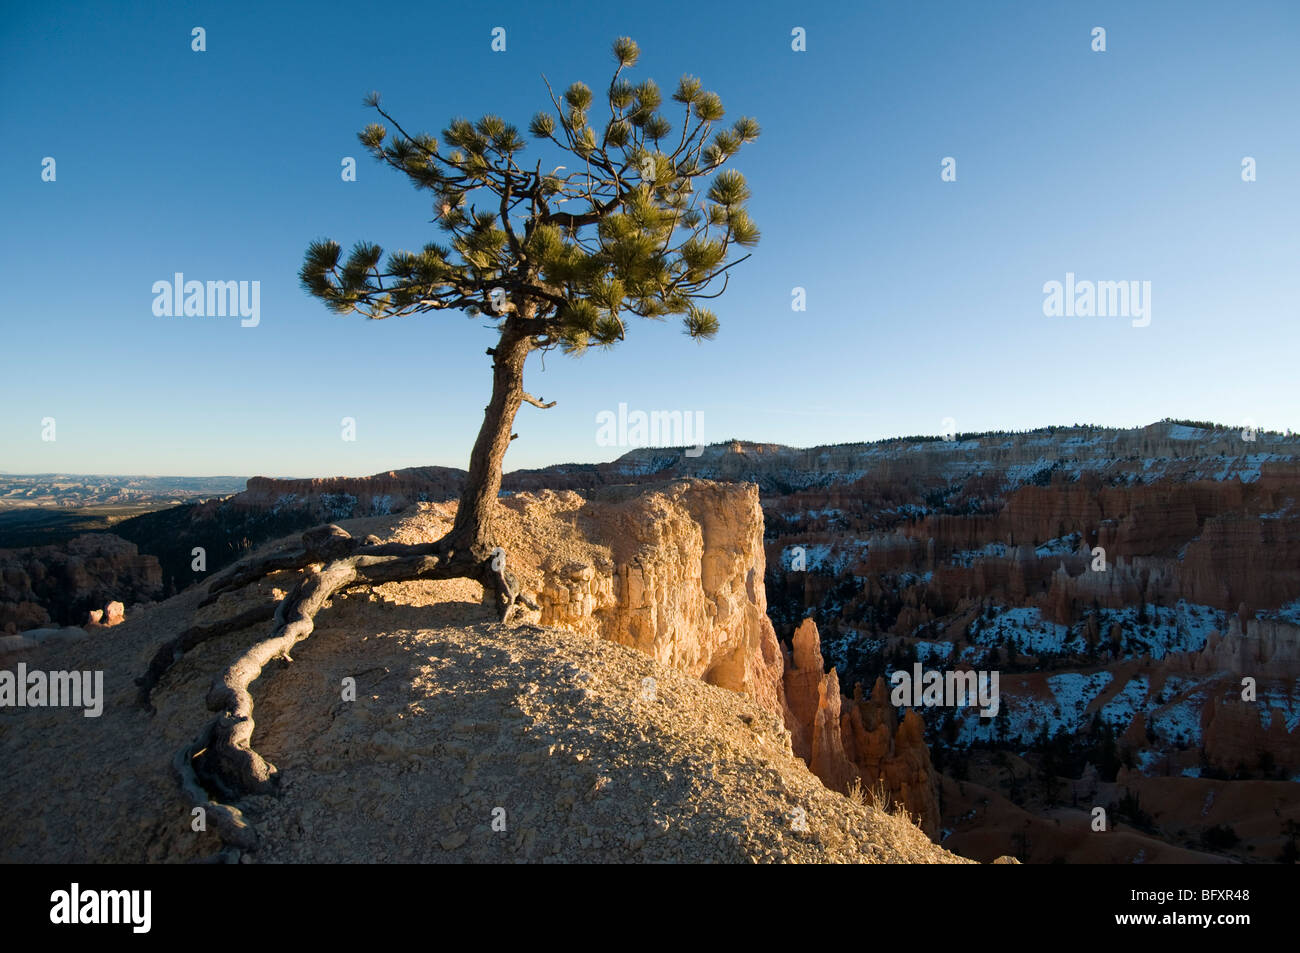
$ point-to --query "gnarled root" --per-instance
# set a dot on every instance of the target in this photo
(230, 755)
(333, 562)
(235, 832)
(320, 544)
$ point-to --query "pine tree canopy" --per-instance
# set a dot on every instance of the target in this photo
(633, 217)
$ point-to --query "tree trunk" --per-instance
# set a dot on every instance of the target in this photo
(473, 526)
(331, 561)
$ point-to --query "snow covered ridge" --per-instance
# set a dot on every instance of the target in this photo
(1165, 450)
(1140, 632)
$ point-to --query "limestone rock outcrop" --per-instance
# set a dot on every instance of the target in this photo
(680, 577)
(674, 571)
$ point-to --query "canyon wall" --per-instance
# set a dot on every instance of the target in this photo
(63, 584)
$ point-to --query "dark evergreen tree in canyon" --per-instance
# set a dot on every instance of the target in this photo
(629, 213)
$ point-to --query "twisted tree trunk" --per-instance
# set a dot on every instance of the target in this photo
(331, 561)
(472, 529)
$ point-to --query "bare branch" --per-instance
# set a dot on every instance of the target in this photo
(536, 402)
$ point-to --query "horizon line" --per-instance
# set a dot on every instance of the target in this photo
(959, 436)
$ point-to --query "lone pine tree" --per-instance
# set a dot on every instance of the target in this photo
(552, 260)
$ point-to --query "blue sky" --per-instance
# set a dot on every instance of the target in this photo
(924, 298)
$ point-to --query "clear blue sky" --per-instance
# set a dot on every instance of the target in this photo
(925, 298)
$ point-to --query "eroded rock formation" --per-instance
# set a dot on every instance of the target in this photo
(858, 740)
(63, 583)
(675, 572)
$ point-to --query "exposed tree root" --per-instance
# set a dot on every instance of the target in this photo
(231, 756)
(332, 562)
(171, 652)
(319, 545)
(235, 832)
